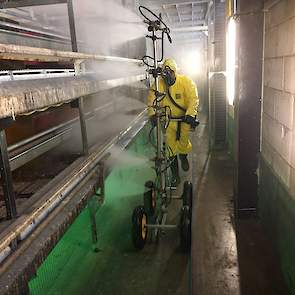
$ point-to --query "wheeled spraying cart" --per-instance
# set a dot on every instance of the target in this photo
(152, 216)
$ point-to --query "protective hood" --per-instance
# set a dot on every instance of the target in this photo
(169, 62)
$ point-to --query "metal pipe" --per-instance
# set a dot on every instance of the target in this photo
(42, 134)
(83, 126)
(191, 29)
(18, 52)
(158, 115)
(39, 149)
(5, 253)
(13, 75)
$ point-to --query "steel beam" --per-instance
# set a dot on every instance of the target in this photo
(6, 178)
(173, 3)
(72, 25)
(83, 127)
(24, 3)
(248, 106)
(4, 25)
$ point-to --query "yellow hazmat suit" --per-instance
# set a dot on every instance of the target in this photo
(185, 93)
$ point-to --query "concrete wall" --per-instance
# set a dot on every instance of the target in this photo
(279, 90)
(277, 171)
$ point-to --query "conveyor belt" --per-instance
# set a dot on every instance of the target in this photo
(20, 97)
(72, 187)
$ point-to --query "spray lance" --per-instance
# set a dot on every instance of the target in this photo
(156, 24)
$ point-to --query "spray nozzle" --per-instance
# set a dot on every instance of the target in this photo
(167, 32)
(154, 26)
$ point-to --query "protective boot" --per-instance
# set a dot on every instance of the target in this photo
(184, 162)
(175, 171)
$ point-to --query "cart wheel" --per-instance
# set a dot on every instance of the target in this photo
(150, 199)
(139, 229)
(187, 195)
(185, 229)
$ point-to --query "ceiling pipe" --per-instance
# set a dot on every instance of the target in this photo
(186, 3)
(210, 4)
(191, 29)
(167, 4)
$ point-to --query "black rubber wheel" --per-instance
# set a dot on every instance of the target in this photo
(150, 199)
(185, 229)
(139, 230)
(187, 195)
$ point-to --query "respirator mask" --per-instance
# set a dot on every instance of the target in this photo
(168, 76)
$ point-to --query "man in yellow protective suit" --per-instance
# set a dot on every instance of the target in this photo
(182, 100)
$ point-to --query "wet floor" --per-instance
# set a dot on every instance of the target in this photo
(229, 256)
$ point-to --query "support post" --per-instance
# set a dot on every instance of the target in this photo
(95, 203)
(83, 125)
(72, 25)
(248, 105)
(77, 70)
(6, 178)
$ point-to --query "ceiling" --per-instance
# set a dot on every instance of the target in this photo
(186, 19)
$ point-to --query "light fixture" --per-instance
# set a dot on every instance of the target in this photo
(191, 63)
(231, 61)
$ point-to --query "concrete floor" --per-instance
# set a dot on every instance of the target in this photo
(223, 262)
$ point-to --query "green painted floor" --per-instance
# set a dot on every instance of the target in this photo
(74, 268)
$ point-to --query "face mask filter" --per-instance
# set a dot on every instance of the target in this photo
(167, 75)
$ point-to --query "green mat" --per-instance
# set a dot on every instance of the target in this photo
(73, 267)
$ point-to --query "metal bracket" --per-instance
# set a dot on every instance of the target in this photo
(100, 186)
(6, 178)
(96, 202)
